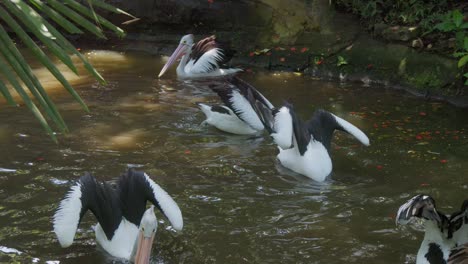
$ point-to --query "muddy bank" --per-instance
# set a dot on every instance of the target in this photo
(304, 36)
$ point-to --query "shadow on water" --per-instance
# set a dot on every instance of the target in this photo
(239, 204)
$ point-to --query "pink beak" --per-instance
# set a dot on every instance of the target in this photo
(179, 52)
(143, 252)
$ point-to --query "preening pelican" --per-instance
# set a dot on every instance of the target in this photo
(238, 115)
(125, 228)
(446, 237)
(304, 147)
(203, 59)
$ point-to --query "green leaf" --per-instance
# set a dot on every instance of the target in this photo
(59, 19)
(108, 7)
(35, 18)
(445, 26)
(457, 17)
(341, 61)
(91, 14)
(22, 69)
(49, 43)
(77, 18)
(6, 93)
(465, 43)
(8, 74)
(463, 61)
(459, 54)
(41, 56)
(69, 47)
(26, 13)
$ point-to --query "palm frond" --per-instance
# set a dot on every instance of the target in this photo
(28, 19)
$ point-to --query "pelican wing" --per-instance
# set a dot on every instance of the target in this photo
(352, 129)
(136, 187)
(208, 55)
(242, 103)
(249, 91)
(301, 133)
(283, 127)
(459, 225)
(459, 255)
(423, 207)
(87, 194)
(166, 204)
(323, 124)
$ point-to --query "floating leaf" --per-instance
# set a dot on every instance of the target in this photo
(422, 143)
(341, 61)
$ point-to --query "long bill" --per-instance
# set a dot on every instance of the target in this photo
(143, 253)
(179, 52)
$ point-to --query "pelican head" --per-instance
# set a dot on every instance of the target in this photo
(147, 231)
(185, 45)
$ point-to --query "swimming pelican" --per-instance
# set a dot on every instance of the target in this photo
(125, 228)
(305, 147)
(239, 114)
(445, 237)
(203, 59)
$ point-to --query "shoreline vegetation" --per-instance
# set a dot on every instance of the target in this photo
(413, 45)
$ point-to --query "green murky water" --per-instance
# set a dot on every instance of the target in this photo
(239, 205)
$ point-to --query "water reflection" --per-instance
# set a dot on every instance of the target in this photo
(239, 204)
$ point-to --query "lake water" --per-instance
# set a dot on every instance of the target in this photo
(239, 204)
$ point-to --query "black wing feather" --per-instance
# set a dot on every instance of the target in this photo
(209, 43)
(102, 200)
(134, 192)
(301, 132)
(262, 107)
(458, 219)
(248, 89)
(321, 126)
(225, 93)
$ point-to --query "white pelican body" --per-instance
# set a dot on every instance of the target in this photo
(315, 163)
(201, 60)
(445, 237)
(238, 115)
(223, 118)
(122, 243)
(125, 229)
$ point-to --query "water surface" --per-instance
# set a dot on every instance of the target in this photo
(239, 205)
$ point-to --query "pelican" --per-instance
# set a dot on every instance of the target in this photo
(200, 60)
(305, 147)
(125, 228)
(446, 237)
(239, 114)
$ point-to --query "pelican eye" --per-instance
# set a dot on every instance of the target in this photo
(143, 229)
